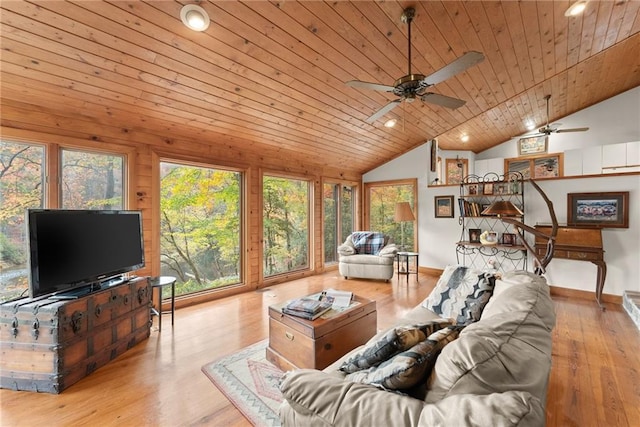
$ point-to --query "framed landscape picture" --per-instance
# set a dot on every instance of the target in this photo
(540, 166)
(444, 206)
(610, 209)
(532, 145)
(456, 170)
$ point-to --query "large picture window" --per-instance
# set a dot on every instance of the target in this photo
(91, 180)
(339, 214)
(87, 180)
(381, 199)
(200, 226)
(285, 222)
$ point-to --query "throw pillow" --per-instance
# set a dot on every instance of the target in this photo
(406, 369)
(461, 294)
(367, 242)
(398, 339)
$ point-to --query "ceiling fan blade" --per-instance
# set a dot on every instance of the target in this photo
(384, 110)
(467, 60)
(442, 100)
(372, 86)
(572, 130)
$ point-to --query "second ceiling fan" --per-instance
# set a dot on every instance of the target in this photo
(548, 129)
(413, 86)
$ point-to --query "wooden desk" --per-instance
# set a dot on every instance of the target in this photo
(580, 244)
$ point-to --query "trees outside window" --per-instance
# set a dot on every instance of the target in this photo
(339, 213)
(88, 180)
(380, 205)
(21, 187)
(92, 180)
(200, 226)
(285, 222)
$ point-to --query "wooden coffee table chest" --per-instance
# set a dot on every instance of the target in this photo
(298, 343)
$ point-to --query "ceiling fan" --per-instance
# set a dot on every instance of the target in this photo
(553, 128)
(413, 86)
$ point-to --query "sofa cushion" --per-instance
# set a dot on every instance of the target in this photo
(381, 348)
(522, 290)
(461, 294)
(313, 398)
(507, 349)
(406, 369)
(367, 242)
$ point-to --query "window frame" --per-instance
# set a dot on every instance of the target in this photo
(356, 213)
(311, 255)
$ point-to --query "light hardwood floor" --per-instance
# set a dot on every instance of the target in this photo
(595, 379)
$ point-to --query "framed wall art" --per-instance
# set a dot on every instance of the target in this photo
(532, 145)
(456, 170)
(443, 206)
(610, 209)
(537, 167)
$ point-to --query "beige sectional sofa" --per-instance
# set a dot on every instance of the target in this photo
(494, 374)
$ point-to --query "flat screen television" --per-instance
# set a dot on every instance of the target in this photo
(71, 249)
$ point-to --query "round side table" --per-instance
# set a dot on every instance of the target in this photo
(159, 283)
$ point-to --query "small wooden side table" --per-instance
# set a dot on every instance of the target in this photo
(407, 263)
(159, 283)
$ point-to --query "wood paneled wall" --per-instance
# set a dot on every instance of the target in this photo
(145, 147)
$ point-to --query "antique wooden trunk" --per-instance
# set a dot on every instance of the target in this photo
(48, 344)
(298, 343)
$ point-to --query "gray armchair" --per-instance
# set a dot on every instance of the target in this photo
(367, 255)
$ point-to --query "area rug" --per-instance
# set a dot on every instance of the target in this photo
(250, 382)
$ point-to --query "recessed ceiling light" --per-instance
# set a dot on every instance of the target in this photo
(194, 17)
(530, 125)
(576, 8)
(390, 123)
(464, 138)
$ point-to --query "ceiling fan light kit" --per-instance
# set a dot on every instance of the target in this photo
(194, 17)
(412, 86)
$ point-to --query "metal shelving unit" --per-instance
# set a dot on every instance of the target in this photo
(476, 194)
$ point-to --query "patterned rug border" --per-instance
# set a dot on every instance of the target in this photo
(236, 391)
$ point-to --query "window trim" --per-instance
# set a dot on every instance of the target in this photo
(311, 182)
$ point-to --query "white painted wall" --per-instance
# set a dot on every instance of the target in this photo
(612, 121)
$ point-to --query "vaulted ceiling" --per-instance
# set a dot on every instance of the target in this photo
(274, 73)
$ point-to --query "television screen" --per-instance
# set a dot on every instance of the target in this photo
(73, 248)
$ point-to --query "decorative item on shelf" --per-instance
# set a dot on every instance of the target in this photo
(489, 238)
(488, 188)
(403, 214)
(503, 207)
(515, 186)
(508, 239)
(474, 235)
(474, 189)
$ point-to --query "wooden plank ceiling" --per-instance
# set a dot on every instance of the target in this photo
(274, 73)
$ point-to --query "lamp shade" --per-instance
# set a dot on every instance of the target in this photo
(502, 208)
(403, 212)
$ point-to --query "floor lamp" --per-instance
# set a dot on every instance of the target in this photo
(403, 214)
